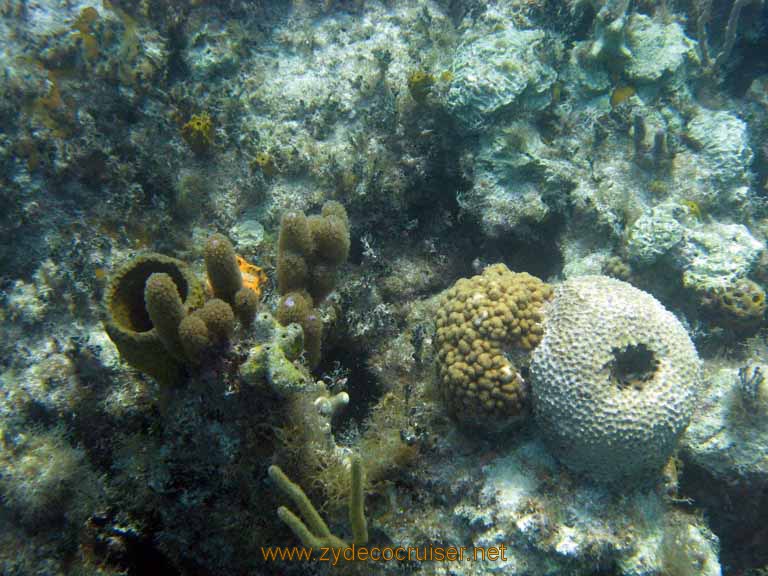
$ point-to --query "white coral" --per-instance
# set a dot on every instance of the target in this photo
(614, 379)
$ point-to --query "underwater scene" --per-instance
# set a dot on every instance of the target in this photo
(386, 287)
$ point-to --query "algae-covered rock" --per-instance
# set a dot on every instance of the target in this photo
(717, 254)
(658, 49)
(729, 436)
(493, 72)
(655, 234)
(724, 151)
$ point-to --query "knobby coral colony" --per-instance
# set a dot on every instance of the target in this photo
(486, 328)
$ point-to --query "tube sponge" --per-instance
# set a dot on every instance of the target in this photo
(330, 235)
(310, 250)
(322, 281)
(221, 265)
(336, 210)
(245, 305)
(295, 235)
(218, 318)
(127, 322)
(313, 338)
(166, 311)
(292, 272)
(294, 307)
(193, 335)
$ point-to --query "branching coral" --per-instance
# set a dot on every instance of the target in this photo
(315, 533)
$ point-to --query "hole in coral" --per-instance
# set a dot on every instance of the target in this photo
(633, 366)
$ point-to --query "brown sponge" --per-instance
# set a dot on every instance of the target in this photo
(322, 281)
(313, 338)
(330, 235)
(295, 235)
(310, 250)
(166, 310)
(221, 265)
(292, 272)
(246, 303)
(294, 307)
(218, 318)
(193, 334)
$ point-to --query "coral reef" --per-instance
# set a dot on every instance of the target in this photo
(562, 138)
(614, 379)
(486, 329)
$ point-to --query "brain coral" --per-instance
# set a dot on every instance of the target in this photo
(486, 327)
(613, 380)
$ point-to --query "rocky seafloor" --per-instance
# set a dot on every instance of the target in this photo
(606, 413)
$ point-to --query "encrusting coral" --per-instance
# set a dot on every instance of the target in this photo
(614, 379)
(486, 327)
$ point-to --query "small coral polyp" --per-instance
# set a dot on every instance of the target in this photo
(486, 327)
